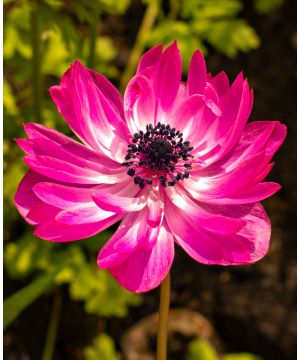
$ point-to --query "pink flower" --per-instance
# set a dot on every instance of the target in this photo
(176, 162)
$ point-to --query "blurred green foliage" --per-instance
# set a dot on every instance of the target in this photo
(102, 348)
(264, 6)
(41, 39)
(200, 349)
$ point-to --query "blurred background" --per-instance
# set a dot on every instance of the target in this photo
(58, 305)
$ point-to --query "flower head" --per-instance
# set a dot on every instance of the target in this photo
(176, 162)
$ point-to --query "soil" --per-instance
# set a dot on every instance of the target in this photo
(252, 308)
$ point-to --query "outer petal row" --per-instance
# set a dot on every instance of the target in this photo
(138, 256)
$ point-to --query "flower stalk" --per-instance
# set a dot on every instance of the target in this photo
(92, 41)
(139, 45)
(36, 65)
(162, 332)
(53, 327)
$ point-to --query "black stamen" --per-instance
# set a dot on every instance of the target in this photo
(158, 149)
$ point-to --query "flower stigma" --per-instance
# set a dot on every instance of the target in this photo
(160, 152)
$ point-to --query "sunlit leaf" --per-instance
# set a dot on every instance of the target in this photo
(102, 348)
(9, 101)
(264, 6)
(181, 31)
(55, 57)
(200, 349)
(203, 9)
(100, 292)
(27, 254)
(231, 36)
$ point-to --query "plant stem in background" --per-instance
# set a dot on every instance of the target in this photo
(93, 38)
(53, 325)
(162, 333)
(138, 48)
(174, 9)
(36, 66)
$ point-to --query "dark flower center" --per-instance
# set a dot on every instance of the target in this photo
(159, 151)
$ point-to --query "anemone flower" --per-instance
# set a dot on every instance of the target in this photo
(175, 161)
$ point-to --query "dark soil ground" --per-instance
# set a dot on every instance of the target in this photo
(252, 308)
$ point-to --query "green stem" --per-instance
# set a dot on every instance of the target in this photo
(36, 66)
(52, 328)
(174, 9)
(162, 333)
(139, 45)
(93, 38)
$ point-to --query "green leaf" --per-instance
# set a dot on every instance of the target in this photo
(264, 6)
(200, 349)
(26, 255)
(203, 9)
(16, 303)
(102, 348)
(181, 31)
(9, 101)
(241, 356)
(98, 289)
(230, 36)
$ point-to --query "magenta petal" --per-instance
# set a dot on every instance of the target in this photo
(197, 74)
(109, 91)
(246, 246)
(155, 206)
(59, 232)
(42, 213)
(139, 103)
(236, 113)
(138, 268)
(167, 76)
(199, 215)
(257, 193)
(93, 118)
(83, 214)
(25, 198)
(149, 59)
(220, 83)
(52, 144)
(118, 204)
(65, 172)
(62, 196)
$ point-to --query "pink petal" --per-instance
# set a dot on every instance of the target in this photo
(83, 214)
(92, 118)
(197, 74)
(62, 196)
(109, 91)
(138, 268)
(149, 60)
(257, 193)
(193, 117)
(59, 232)
(235, 112)
(220, 83)
(155, 206)
(41, 213)
(139, 103)
(236, 177)
(118, 204)
(167, 77)
(199, 216)
(25, 199)
(50, 144)
(62, 171)
(248, 245)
